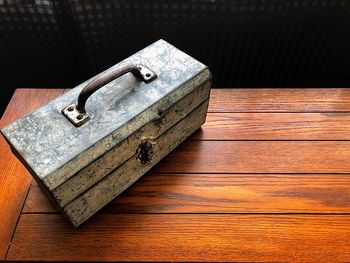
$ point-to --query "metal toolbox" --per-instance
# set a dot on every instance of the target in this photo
(86, 147)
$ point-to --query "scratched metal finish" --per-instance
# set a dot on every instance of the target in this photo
(47, 140)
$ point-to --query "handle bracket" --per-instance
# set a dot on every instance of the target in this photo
(74, 116)
(77, 114)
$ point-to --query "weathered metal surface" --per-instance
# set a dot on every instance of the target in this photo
(86, 205)
(95, 171)
(85, 150)
(54, 149)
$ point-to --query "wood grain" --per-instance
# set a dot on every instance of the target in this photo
(280, 100)
(175, 237)
(14, 179)
(275, 126)
(258, 157)
(223, 193)
(37, 201)
(216, 198)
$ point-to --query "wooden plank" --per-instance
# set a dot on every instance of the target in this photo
(37, 201)
(223, 193)
(275, 126)
(184, 237)
(258, 157)
(280, 100)
(14, 179)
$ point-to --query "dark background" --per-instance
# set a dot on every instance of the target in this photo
(246, 43)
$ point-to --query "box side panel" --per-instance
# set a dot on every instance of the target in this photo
(83, 207)
(102, 166)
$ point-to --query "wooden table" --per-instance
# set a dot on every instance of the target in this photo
(265, 179)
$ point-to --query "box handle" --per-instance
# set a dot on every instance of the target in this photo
(77, 114)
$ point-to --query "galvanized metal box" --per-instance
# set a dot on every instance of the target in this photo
(87, 146)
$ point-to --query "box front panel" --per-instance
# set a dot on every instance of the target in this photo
(87, 204)
(94, 172)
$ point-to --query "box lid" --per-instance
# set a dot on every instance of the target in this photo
(54, 149)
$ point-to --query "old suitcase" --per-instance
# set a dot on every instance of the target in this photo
(87, 146)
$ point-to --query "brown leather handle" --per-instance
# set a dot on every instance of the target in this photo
(77, 113)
